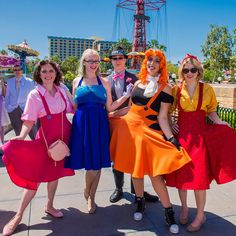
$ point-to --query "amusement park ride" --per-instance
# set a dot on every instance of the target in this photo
(23, 50)
(140, 19)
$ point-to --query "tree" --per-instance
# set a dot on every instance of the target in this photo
(172, 68)
(125, 44)
(218, 49)
(70, 66)
(56, 59)
(3, 52)
(153, 43)
(31, 65)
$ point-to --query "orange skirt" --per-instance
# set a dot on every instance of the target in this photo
(139, 150)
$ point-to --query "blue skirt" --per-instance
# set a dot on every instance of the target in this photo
(90, 137)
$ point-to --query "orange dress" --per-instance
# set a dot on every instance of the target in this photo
(138, 148)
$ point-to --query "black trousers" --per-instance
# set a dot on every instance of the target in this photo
(16, 122)
(119, 180)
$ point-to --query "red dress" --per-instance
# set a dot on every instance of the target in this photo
(27, 161)
(211, 148)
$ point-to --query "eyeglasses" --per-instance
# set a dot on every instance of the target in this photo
(17, 69)
(192, 70)
(117, 58)
(47, 71)
(92, 62)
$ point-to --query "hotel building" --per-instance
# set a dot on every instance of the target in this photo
(64, 46)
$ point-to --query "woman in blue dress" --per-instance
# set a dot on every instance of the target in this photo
(89, 142)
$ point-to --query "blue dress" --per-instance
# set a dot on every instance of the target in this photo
(90, 136)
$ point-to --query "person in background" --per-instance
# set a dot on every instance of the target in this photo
(4, 117)
(17, 91)
(119, 79)
(89, 141)
(27, 161)
(211, 147)
(142, 142)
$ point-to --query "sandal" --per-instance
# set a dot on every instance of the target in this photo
(10, 227)
(54, 213)
(192, 228)
(92, 206)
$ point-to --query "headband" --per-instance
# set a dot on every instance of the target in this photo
(189, 56)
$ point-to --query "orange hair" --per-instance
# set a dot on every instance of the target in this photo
(162, 66)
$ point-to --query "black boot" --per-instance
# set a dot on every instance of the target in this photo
(119, 182)
(170, 220)
(138, 214)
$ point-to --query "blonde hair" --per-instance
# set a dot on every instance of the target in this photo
(162, 66)
(87, 52)
(195, 62)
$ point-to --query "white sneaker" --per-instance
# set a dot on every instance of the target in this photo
(174, 229)
(138, 216)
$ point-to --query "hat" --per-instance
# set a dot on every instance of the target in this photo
(118, 51)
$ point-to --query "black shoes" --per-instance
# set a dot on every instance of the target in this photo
(116, 195)
(150, 198)
(170, 220)
(138, 214)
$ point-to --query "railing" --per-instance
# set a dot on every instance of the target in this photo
(228, 115)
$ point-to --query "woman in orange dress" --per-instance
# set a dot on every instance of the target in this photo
(206, 144)
(142, 142)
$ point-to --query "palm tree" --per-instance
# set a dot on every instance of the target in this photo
(153, 43)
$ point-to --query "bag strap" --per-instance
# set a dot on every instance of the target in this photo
(61, 131)
(48, 111)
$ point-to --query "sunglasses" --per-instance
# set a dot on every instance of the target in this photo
(92, 62)
(17, 69)
(192, 70)
(117, 58)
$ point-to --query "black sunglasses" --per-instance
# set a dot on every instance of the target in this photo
(192, 70)
(117, 58)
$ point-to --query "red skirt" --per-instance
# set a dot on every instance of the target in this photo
(28, 163)
(221, 146)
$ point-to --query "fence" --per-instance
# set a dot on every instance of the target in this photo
(228, 115)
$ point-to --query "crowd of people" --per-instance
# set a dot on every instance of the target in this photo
(123, 121)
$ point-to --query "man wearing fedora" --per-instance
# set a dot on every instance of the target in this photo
(119, 79)
(17, 91)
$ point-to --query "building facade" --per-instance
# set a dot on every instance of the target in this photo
(64, 46)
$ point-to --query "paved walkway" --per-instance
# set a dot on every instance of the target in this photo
(111, 219)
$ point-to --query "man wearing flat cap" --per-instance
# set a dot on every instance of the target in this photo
(119, 79)
(17, 91)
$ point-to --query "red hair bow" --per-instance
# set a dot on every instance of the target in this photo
(189, 56)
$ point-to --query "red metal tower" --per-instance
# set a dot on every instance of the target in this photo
(139, 6)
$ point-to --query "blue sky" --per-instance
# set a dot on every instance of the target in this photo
(182, 25)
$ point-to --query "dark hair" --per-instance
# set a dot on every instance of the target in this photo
(55, 67)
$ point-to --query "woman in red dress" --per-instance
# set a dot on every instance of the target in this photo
(204, 143)
(27, 162)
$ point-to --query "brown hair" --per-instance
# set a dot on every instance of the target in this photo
(37, 71)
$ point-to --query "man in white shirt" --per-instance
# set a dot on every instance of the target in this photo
(17, 91)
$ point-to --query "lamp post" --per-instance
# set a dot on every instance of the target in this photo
(219, 79)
